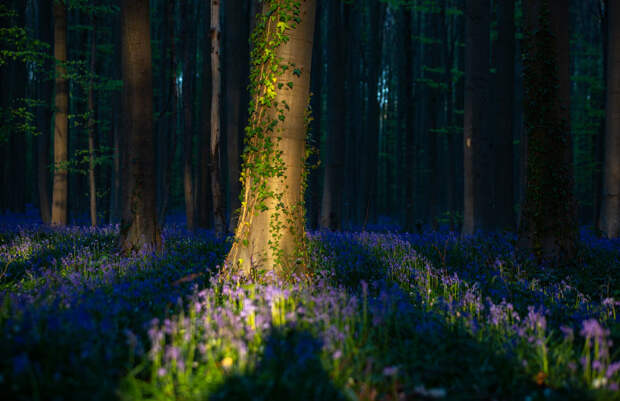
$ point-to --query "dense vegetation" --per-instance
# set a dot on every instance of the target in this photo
(387, 316)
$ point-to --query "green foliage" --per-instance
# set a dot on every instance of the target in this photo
(18, 47)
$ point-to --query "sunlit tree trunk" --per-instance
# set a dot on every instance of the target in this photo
(92, 189)
(215, 157)
(259, 243)
(60, 193)
(139, 227)
(477, 151)
(610, 209)
(548, 223)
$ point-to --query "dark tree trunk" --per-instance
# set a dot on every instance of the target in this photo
(204, 204)
(139, 227)
(375, 44)
(504, 133)
(434, 113)
(215, 150)
(478, 166)
(92, 189)
(316, 103)
(331, 208)
(610, 208)
(44, 116)
(189, 62)
(407, 110)
(235, 57)
(60, 196)
(548, 224)
(599, 148)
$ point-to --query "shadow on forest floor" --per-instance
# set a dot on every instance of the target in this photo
(290, 368)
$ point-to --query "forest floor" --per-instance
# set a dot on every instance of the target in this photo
(387, 316)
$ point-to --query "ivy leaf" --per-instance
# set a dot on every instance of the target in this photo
(282, 26)
(297, 72)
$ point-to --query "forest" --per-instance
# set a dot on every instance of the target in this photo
(363, 200)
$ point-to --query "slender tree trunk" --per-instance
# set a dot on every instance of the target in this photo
(92, 189)
(407, 108)
(434, 114)
(117, 155)
(477, 143)
(44, 117)
(331, 209)
(599, 148)
(451, 171)
(169, 139)
(272, 237)
(504, 90)
(235, 55)
(356, 111)
(189, 62)
(610, 208)
(548, 224)
(139, 227)
(375, 41)
(316, 103)
(60, 194)
(204, 204)
(215, 158)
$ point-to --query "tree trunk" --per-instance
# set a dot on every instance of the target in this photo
(189, 61)
(116, 140)
(504, 90)
(215, 158)
(204, 205)
(610, 207)
(60, 192)
(548, 224)
(169, 139)
(333, 183)
(270, 233)
(313, 197)
(92, 189)
(234, 57)
(375, 41)
(434, 114)
(406, 107)
(139, 227)
(599, 145)
(44, 117)
(477, 145)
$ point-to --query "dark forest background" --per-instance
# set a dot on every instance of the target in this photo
(388, 106)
